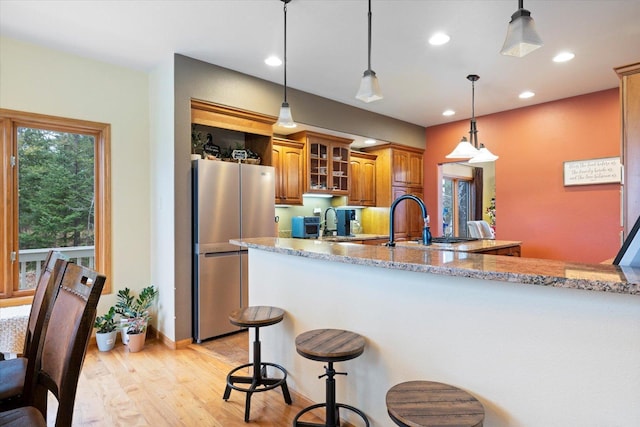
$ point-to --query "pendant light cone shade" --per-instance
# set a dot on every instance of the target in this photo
(522, 37)
(484, 155)
(464, 150)
(369, 87)
(285, 119)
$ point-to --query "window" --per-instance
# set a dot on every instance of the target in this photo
(55, 184)
(456, 205)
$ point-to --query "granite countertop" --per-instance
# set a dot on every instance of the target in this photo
(353, 237)
(531, 271)
(468, 246)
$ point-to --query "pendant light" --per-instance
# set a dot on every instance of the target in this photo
(369, 88)
(469, 149)
(463, 150)
(522, 37)
(285, 119)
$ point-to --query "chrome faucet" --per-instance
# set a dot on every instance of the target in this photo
(426, 234)
(335, 218)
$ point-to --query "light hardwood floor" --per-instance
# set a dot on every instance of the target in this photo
(162, 387)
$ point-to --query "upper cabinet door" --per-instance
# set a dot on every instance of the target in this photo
(407, 168)
(288, 160)
(327, 162)
(362, 191)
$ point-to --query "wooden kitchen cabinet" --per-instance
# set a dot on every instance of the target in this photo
(406, 168)
(396, 166)
(630, 113)
(508, 251)
(408, 221)
(327, 162)
(398, 172)
(362, 191)
(288, 160)
(254, 129)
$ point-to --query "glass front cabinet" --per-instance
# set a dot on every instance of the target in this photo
(328, 162)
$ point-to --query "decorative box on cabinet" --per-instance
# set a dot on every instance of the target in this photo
(362, 191)
(288, 161)
(327, 162)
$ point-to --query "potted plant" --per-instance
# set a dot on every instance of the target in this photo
(135, 313)
(196, 143)
(137, 332)
(107, 330)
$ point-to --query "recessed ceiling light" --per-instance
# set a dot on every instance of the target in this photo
(273, 61)
(369, 141)
(448, 113)
(563, 57)
(439, 39)
(526, 94)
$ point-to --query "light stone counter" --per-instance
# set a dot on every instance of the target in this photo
(480, 245)
(435, 259)
(522, 335)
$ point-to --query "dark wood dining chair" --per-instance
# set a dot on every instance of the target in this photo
(14, 371)
(67, 330)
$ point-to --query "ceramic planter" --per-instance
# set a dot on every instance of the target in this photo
(136, 342)
(124, 324)
(106, 340)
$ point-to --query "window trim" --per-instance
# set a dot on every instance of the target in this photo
(10, 120)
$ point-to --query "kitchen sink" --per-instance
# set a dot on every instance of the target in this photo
(452, 239)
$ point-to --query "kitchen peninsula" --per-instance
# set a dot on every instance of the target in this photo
(479, 246)
(538, 342)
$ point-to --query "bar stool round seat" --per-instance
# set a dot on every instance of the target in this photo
(329, 345)
(428, 404)
(256, 317)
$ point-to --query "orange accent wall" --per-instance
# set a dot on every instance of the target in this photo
(577, 223)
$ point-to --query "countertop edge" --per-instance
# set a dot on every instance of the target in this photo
(378, 256)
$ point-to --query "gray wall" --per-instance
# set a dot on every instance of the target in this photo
(199, 80)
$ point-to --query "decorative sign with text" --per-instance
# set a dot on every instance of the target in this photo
(595, 171)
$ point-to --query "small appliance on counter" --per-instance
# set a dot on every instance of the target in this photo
(345, 216)
(305, 227)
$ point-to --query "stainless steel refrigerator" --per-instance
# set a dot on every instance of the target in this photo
(230, 201)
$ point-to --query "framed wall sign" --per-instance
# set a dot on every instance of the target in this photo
(593, 171)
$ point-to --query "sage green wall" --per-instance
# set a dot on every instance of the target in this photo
(40, 80)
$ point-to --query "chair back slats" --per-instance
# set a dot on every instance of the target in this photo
(67, 331)
(35, 348)
(42, 297)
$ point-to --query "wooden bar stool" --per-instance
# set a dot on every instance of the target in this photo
(427, 404)
(329, 345)
(256, 317)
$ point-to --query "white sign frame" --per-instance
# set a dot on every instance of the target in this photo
(606, 170)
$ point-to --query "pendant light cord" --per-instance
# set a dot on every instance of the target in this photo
(369, 50)
(285, 50)
(473, 132)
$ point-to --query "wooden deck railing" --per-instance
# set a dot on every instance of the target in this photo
(31, 261)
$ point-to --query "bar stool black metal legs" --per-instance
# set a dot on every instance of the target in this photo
(259, 380)
(329, 345)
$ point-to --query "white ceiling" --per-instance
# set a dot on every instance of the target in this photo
(327, 45)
